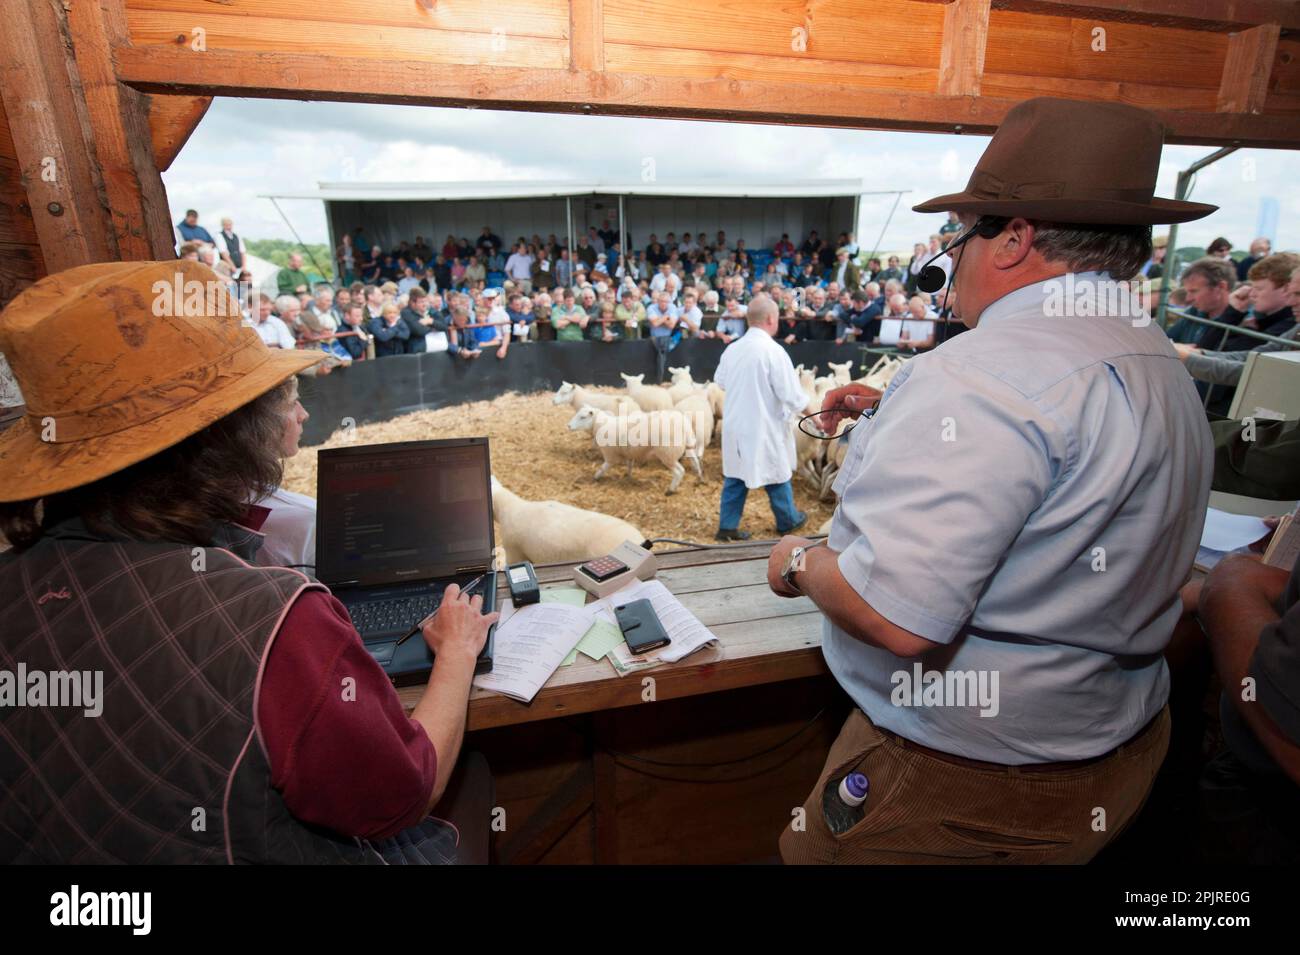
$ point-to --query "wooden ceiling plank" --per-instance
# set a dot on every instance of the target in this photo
(1217, 15)
(965, 35)
(1247, 68)
(298, 76)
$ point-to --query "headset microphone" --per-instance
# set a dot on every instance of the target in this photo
(932, 277)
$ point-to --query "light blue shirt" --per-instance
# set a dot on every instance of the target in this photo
(1030, 495)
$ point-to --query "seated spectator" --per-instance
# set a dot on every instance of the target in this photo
(357, 344)
(631, 313)
(1220, 248)
(519, 267)
(732, 324)
(476, 272)
(1259, 250)
(389, 332)
(269, 327)
(1270, 301)
(784, 247)
(458, 273)
(1225, 367)
(1207, 284)
(408, 281)
(569, 320)
(190, 251)
(191, 231)
(689, 315)
(918, 332)
(463, 343)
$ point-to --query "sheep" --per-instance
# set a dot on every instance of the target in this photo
(576, 395)
(808, 382)
(647, 397)
(809, 452)
(836, 451)
(663, 436)
(882, 372)
(717, 399)
(840, 372)
(682, 386)
(550, 532)
(696, 406)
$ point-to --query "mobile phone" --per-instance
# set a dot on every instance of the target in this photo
(641, 627)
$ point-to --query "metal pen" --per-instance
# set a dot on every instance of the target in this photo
(416, 629)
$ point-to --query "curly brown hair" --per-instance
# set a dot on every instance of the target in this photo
(180, 494)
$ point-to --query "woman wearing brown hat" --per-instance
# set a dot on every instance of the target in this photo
(240, 719)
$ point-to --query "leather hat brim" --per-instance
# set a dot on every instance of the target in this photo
(32, 468)
(1089, 212)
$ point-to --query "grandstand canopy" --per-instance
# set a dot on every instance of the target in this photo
(758, 212)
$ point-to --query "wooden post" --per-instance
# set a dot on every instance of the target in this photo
(1246, 69)
(586, 35)
(965, 33)
(81, 138)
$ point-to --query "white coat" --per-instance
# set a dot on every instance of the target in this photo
(763, 392)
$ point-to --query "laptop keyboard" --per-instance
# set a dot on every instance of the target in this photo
(394, 615)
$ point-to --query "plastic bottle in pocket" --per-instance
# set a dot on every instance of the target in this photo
(842, 802)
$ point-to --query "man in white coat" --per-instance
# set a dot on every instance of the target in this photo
(763, 391)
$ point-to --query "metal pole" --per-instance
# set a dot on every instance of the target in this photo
(568, 218)
(625, 247)
(301, 244)
(1169, 273)
(876, 248)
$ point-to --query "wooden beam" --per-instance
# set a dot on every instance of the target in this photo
(965, 33)
(171, 121)
(120, 137)
(51, 131)
(587, 35)
(277, 75)
(1217, 15)
(1247, 68)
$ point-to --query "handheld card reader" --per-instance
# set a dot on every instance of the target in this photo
(604, 575)
(523, 584)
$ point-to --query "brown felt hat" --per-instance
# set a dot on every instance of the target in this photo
(121, 360)
(1071, 161)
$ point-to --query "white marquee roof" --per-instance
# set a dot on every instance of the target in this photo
(534, 189)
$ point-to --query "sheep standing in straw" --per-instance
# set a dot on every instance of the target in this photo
(648, 397)
(549, 532)
(628, 439)
(570, 394)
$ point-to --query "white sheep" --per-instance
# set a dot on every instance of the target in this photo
(550, 532)
(840, 372)
(836, 451)
(717, 399)
(696, 406)
(647, 397)
(808, 382)
(628, 439)
(577, 396)
(682, 386)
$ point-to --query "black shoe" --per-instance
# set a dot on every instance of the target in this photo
(735, 534)
(803, 519)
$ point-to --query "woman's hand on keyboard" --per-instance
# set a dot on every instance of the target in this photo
(459, 628)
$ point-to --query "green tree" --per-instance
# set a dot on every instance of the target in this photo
(317, 258)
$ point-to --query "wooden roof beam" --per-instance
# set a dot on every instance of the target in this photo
(171, 121)
(965, 34)
(1246, 69)
(586, 35)
(277, 75)
(1220, 16)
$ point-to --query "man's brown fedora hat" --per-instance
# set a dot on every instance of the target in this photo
(1069, 161)
(121, 360)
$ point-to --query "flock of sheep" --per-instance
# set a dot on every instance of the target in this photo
(666, 425)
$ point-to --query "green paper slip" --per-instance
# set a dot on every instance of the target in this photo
(602, 638)
(573, 596)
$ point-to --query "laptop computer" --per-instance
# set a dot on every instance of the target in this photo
(395, 524)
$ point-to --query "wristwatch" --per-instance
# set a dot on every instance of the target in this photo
(794, 563)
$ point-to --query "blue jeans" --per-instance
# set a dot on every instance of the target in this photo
(780, 496)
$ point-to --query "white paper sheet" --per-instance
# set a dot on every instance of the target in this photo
(530, 647)
(684, 629)
(1227, 532)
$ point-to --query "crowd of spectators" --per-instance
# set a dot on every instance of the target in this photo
(471, 298)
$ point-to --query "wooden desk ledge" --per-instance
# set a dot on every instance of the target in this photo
(762, 638)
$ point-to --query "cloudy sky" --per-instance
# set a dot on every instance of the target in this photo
(245, 148)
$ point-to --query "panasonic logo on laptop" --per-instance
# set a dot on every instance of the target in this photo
(405, 573)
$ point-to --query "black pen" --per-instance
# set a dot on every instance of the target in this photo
(416, 629)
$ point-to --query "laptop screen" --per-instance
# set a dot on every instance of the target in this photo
(415, 510)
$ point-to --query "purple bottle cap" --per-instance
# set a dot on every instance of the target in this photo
(857, 785)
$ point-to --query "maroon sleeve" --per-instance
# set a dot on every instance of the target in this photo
(343, 754)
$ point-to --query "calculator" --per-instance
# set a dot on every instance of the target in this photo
(603, 568)
(601, 576)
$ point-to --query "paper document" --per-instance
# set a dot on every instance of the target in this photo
(531, 645)
(1228, 532)
(684, 629)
